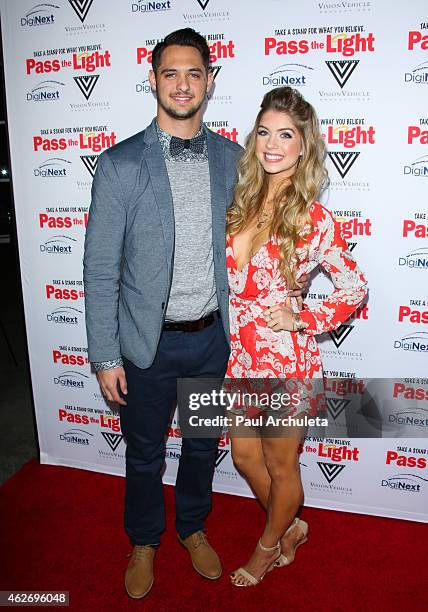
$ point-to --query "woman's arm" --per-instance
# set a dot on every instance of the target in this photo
(350, 285)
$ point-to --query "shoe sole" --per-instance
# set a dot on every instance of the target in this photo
(139, 596)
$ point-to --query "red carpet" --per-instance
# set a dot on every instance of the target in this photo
(61, 529)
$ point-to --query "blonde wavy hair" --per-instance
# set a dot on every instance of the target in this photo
(293, 199)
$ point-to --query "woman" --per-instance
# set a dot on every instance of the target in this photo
(277, 231)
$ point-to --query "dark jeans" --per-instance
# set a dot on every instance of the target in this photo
(152, 393)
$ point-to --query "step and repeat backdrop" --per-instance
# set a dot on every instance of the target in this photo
(77, 83)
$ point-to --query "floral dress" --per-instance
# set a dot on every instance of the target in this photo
(256, 350)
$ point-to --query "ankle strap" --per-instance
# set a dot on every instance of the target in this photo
(269, 548)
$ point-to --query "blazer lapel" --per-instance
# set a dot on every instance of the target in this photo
(161, 187)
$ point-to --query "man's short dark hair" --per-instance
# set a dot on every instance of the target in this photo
(186, 37)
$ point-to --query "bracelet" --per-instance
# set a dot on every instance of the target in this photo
(298, 324)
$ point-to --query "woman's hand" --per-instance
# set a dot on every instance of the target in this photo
(300, 287)
(280, 317)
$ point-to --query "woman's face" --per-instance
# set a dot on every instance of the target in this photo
(278, 144)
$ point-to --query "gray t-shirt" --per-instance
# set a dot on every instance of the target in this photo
(193, 290)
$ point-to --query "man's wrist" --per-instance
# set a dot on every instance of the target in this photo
(100, 366)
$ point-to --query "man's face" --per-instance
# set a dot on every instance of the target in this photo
(181, 81)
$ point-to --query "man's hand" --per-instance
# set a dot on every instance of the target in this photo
(110, 381)
(299, 288)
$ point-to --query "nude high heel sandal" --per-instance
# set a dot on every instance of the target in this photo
(287, 559)
(252, 580)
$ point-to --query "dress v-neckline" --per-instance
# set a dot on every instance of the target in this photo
(232, 238)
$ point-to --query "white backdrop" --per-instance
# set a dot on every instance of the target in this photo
(76, 80)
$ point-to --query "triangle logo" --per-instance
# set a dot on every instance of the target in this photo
(81, 8)
(342, 70)
(336, 405)
(112, 439)
(203, 4)
(340, 334)
(87, 83)
(352, 246)
(343, 161)
(330, 470)
(221, 454)
(90, 162)
(215, 70)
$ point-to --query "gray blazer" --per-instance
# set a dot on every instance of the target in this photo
(129, 244)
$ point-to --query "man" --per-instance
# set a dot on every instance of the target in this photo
(156, 295)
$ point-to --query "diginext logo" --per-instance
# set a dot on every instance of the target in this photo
(53, 167)
(415, 259)
(142, 6)
(418, 168)
(58, 245)
(65, 315)
(416, 342)
(419, 74)
(71, 379)
(409, 483)
(40, 15)
(294, 75)
(45, 91)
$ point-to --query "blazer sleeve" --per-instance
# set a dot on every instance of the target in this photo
(350, 285)
(102, 261)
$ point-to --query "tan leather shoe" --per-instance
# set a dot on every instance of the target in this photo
(205, 560)
(139, 574)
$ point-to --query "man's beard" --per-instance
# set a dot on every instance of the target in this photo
(177, 113)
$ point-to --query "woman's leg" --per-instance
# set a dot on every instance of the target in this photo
(286, 491)
(248, 456)
(272, 469)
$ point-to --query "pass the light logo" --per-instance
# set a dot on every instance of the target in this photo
(343, 161)
(112, 439)
(81, 8)
(291, 74)
(46, 91)
(86, 84)
(330, 471)
(417, 342)
(342, 70)
(90, 163)
(53, 167)
(340, 334)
